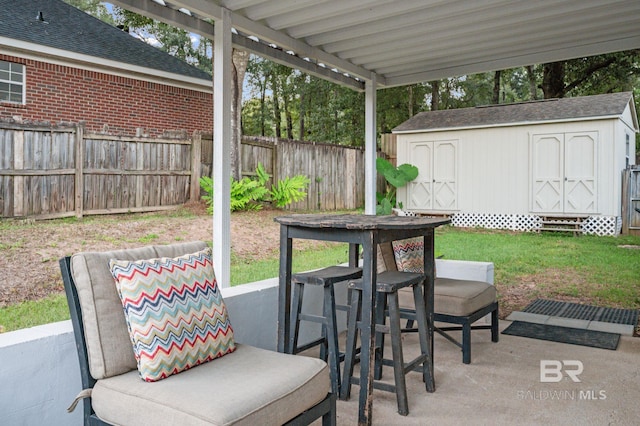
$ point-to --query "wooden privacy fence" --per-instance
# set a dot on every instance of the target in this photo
(336, 172)
(50, 172)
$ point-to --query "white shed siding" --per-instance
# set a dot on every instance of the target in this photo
(495, 166)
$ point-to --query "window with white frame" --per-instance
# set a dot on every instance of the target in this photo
(12, 82)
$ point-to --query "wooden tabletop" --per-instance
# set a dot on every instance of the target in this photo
(360, 221)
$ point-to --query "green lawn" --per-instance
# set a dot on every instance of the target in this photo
(590, 269)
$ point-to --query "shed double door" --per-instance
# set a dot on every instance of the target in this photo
(435, 188)
(564, 173)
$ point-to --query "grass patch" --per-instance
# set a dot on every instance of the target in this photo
(303, 260)
(32, 313)
(149, 238)
(585, 267)
(598, 270)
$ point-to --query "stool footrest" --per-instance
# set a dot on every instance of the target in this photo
(309, 345)
(312, 318)
(408, 366)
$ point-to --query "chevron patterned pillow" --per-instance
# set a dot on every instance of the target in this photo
(409, 255)
(176, 316)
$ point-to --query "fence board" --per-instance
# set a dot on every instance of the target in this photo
(49, 171)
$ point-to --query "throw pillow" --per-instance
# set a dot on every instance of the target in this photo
(176, 316)
(409, 254)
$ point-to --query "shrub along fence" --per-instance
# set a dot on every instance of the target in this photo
(59, 171)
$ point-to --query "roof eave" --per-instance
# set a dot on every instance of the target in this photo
(513, 124)
(92, 63)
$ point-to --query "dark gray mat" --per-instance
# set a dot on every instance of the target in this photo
(573, 336)
(562, 309)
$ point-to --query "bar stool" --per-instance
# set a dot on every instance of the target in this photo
(329, 349)
(387, 285)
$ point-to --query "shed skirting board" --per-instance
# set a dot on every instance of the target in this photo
(594, 225)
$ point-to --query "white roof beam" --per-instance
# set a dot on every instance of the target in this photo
(483, 19)
(493, 46)
(208, 9)
(205, 29)
(321, 13)
(436, 12)
(346, 17)
(517, 60)
(266, 10)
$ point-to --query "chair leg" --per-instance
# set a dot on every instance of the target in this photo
(350, 350)
(331, 338)
(495, 333)
(329, 418)
(381, 307)
(398, 356)
(466, 342)
(423, 335)
(296, 298)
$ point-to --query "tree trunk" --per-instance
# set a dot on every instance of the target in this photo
(495, 98)
(533, 89)
(289, 119)
(263, 95)
(435, 95)
(240, 59)
(302, 114)
(553, 80)
(276, 105)
(411, 100)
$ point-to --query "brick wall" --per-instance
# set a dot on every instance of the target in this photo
(108, 103)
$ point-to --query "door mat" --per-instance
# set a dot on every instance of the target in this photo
(585, 312)
(573, 336)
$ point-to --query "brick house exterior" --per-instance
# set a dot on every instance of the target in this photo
(78, 76)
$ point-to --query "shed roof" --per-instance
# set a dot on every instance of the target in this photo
(609, 105)
(66, 28)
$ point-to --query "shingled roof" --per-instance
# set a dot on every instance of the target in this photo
(67, 28)
(597, 106)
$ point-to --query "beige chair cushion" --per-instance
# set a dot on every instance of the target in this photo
(461, 297)
(108, 342)
(250, 386)
(455, 297)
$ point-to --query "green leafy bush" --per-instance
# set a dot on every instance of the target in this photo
(247, 194)
(289, 190)
(252, 193)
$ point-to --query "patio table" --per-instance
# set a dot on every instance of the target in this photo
(357, 230)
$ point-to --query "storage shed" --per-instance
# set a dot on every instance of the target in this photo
(522, 166)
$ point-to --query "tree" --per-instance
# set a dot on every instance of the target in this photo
(95, 8)
(592, 75)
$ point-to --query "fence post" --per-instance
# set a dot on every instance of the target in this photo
(79, 165)
(18, 181)
(196, 153)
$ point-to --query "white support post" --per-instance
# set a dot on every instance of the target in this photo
(370, 146)
(222, 52)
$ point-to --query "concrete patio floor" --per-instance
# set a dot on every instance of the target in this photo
(502, 386)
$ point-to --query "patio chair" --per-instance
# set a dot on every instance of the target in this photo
(246, 386)
(459, 302)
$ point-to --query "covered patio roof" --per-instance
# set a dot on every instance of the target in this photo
(368, 44)
(410, 41)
